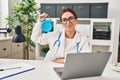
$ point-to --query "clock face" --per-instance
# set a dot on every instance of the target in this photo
(46, 25)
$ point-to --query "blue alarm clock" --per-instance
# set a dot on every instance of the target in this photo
(46, 25)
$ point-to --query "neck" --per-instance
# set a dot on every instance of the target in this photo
(70, 34)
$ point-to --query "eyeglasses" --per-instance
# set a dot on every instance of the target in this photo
(70, 19)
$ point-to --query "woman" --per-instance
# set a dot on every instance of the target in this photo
(64, 41)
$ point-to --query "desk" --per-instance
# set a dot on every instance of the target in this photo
(44, 71)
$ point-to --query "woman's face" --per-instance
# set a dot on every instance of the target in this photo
(68, 21)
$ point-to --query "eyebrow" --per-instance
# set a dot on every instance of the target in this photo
(68, 17)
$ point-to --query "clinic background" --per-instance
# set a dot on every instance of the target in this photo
(113, 10)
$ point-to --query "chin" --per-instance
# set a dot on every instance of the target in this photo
(70, 30)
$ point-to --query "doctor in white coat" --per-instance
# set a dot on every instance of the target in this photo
(61, 42)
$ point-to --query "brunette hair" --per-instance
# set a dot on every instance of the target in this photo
(68, 10)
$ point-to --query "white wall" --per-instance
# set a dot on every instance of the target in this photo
(0, 12)
(3, 12)
(11, 4)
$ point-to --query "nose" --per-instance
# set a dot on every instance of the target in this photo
(68, 21)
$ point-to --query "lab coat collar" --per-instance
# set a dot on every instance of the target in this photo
(76, 37)
(73, 45)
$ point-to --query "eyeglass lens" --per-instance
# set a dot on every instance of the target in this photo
(70, 19)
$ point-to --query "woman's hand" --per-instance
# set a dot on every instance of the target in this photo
(43, 15)
(59, 60)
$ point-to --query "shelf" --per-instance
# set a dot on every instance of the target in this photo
(5, 38)
(100, 48)
(101, 42)
(8, 49)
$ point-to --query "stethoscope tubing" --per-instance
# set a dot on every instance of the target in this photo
(58, 41)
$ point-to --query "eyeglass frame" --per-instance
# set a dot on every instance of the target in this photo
(70, 19)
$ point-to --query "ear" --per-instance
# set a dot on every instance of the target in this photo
(76, 20)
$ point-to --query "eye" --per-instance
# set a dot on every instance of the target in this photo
(71, 17)
(64, 19)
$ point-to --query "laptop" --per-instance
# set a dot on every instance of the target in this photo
(83, 65)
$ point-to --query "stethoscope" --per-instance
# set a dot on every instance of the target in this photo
(58, 42)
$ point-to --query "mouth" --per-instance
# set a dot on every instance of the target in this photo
(69, 26)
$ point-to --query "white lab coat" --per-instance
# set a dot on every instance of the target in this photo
(55, 52)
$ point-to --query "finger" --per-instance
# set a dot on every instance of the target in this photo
(46, 15)
(54, 60)
(43, 15)
(61, 57)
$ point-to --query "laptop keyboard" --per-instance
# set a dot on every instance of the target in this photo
(59, 70)
(60, 73)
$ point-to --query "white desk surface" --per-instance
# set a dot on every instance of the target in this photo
(44, 71)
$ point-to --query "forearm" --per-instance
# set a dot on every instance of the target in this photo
(59, 60)
(36, 32)
(37, 36)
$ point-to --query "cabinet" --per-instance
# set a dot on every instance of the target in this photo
(83, 10)
(9, 49)
(104, 43)
(49, 8)
(17, 50)
(86, 26)
(5, 48)
(98, 10)
(60, 7)
(108, 43)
